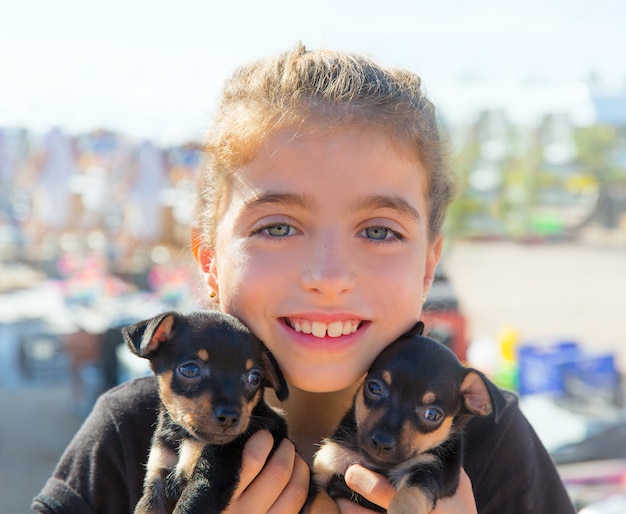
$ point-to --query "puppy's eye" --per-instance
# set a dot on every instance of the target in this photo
(374, 388)
(189, 370)
(254, 378)
(433, 414)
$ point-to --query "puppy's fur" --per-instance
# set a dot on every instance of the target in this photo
(407, 423)
(211, 372)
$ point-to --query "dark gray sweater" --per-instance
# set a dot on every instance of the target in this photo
(102, 469)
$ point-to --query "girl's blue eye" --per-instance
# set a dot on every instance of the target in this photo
(378, 233)
(278, 230)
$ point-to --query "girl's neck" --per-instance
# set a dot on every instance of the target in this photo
(312, 416)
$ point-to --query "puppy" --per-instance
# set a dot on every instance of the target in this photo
(406, 423)
(211, 372)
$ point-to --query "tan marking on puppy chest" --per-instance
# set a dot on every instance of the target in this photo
(332, 459)
(160, 458)
(203, 355)
(189, 452)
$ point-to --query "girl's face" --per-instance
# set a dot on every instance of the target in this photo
(323, 252)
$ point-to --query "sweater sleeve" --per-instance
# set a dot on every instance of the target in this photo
(510, 470)
(102, 469)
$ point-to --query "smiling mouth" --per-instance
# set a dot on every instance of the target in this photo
(321, 329)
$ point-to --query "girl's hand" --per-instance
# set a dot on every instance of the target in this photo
(278, 485)
(378, 490)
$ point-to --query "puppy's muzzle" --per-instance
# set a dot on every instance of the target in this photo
(381, 443)
(227, 416)
(382, 447)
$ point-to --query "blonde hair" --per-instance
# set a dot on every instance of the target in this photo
(318, 90)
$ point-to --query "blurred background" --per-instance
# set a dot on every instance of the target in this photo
(102, 111)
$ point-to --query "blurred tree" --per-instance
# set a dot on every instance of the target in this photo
(597, 147)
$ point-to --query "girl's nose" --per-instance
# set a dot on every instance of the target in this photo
(330, 269)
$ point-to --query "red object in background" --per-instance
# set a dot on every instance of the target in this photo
(447, 327)
(442, 316)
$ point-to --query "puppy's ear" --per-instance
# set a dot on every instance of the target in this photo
(274, 376)
(417, 330)
(481, 396)
(144, 337)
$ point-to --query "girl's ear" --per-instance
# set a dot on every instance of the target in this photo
(206, 261)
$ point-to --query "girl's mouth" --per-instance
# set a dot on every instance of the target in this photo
(321, 329)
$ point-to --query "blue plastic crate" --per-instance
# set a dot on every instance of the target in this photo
(591, 375)
(564, 368)
(541, 367)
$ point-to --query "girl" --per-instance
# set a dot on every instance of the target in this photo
(319, 220)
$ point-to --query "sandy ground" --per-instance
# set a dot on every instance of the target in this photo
(36, 424)
(573, 291)
(548, 293)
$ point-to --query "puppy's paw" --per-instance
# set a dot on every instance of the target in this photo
(411, 500)
(146, 505)
(321, 504)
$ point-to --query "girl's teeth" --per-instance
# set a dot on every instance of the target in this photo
(320, 329)
(335, 329)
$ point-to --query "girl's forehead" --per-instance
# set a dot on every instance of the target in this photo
(358, 168)
(341, 134)
(348, 153)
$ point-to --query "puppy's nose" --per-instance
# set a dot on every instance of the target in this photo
(227, 416)
(382, 442)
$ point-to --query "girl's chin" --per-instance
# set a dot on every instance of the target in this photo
(323, 365)
(322, 381)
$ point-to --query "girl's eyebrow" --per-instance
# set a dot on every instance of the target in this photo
(396, 203)
(292, 199)
(370, 202)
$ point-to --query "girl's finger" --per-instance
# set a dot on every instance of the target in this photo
(378, 490)
(263, 491)
(254, 456)
(370, 485)
(295, 492)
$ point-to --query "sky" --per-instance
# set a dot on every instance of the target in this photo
(153, 68)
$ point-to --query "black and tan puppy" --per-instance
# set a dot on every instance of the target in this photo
(211, 372)
(407, 423)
